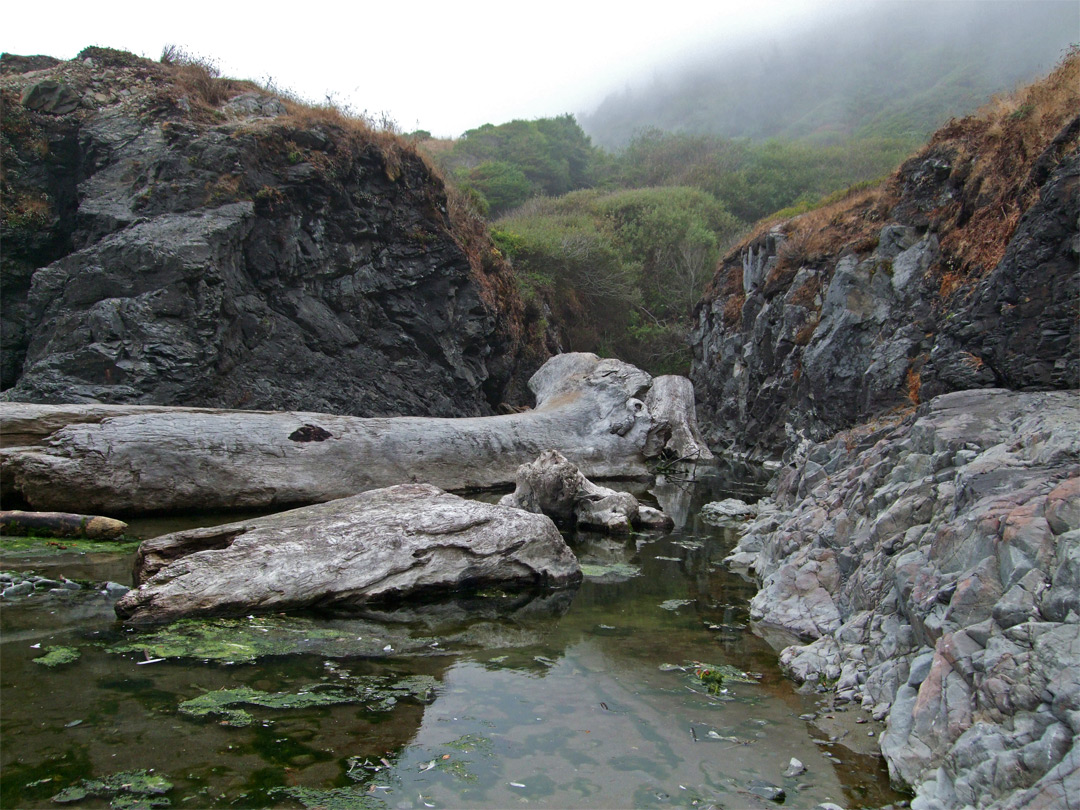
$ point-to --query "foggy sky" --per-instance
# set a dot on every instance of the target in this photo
(442, 66)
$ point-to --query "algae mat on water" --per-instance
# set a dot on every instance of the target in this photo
(246, 639)
(377, 693)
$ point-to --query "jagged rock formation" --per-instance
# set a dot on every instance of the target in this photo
(931, 568)
(128, 459)
(385, 544)
(960, 272)
(175, 239)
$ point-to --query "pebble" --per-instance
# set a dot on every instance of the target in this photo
(794, 768)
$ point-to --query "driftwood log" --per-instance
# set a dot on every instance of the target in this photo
(130, 459)
(553, 486)
(390, 543)
(60, 524)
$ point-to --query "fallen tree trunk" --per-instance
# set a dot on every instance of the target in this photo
(60, 524)
(380, 545)
(136, 460)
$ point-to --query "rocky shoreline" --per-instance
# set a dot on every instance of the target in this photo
(929, 568)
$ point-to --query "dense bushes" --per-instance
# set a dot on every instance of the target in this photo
(620, 271)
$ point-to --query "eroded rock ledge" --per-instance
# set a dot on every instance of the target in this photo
(127, 459)
(932, 567)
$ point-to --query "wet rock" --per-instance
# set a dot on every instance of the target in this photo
(384, 544)
(16, 591)
(767, 790)
(794, 768)
(947, 549)
(728, 512)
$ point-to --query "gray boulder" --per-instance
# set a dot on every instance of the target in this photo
(404, 541)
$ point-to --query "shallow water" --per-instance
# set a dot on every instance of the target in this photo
(554, 700)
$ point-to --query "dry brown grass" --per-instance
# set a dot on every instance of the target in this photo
(998, 148)
(994, 153)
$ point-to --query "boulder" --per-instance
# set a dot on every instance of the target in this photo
(554, 486)
(50, 96)
(130, 459)
(378, 546)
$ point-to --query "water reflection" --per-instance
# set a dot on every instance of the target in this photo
(557, 698)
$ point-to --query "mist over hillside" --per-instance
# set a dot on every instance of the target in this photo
(896, 69)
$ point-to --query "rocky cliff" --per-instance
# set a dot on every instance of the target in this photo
(930, 570)
(173, 238)
(960, 271)
(924, 561)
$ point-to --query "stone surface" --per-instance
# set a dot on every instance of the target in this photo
(851, 334)
(404, 541)
(728, 512)
(161, 459)
(554, 486)
(929, 571)
(222, 253)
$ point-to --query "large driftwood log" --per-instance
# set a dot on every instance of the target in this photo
(136, 460)
(378, 545)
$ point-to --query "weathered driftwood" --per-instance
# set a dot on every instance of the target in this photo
(553, 486)
(136, 460)
(376, 546)
(60, 524)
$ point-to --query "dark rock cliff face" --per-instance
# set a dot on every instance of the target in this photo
(960, 272)
(228, 250)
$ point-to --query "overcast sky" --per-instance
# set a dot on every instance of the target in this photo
(444, 66)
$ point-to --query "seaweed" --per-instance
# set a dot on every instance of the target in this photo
(58, 656)
(127, 790)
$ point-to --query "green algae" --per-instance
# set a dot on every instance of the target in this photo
(611, 571)
(58, 656)
(245, 639)
(240, 640)
(127, 790)
(217, 704)
(376, 693)
(30, 545)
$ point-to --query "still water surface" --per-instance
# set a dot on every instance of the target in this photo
(560, 700)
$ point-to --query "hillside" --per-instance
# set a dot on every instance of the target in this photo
(918, 63)
(959, 271)
(173, 237)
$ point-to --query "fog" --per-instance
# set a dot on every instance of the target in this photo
(888, 68)
(448, 67)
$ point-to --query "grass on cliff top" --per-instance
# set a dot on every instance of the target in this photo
(995, 151)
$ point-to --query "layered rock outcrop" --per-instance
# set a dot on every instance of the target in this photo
(171, 238)
(959, 272)
(931, 568)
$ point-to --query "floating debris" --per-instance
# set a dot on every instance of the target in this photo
(613, 572)
(675, 604)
